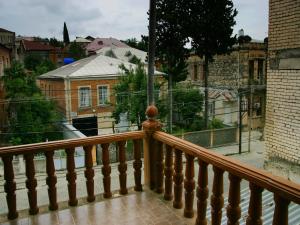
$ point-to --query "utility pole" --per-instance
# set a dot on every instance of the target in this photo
(240, 121)
(250, 117)
(151, 52)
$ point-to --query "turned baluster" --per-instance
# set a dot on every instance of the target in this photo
(168, 173)
(10, 187)
(189, 185)
(255, 205)
(71, 177)
(159, 168)
(137, 165)
(178, 179)
(122, 168)
(106, 170)
(31, 184)
(233, 208)
(89, 173)
(217, 199)
(51, 180)
(281, 213)
(202, 193)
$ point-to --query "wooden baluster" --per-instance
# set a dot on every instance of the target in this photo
(202, 193)
(10, 187)
(159, 168)
(217, 199)
(31, 184)
(89, 173)
(51, 180)
(137, 165)
(281, 213)
(71, 176)
(233, 208)
(106, 170)
(255, 205)
(122, 168)
(189, 185)
(168, 173)
(178, 179)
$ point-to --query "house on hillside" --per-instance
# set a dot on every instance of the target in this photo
(44, 51)
(5, 57)
(83, 42)
(242, 72)
(99, 43)
(7, 38)
(84, 92)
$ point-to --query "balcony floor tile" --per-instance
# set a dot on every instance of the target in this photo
(141, 208)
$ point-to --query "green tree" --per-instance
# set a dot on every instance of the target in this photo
(37, 65)
(171, 37)
(131, 95)
(76, 51)
(66, 34)
(210, 26)
(32, 118)
(141, 45)
(187, 107)
(32, 61)
(56, 43)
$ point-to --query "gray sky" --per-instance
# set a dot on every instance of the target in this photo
(121, 19)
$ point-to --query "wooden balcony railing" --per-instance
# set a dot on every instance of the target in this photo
(163, 171)
(48, 149)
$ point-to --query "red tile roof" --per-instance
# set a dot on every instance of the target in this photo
(36, 46)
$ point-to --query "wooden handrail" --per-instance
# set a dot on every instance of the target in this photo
(70, 143)
(261, 178)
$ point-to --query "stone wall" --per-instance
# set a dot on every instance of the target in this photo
(282, 130)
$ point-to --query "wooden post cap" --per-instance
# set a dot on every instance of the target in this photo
(151, 112)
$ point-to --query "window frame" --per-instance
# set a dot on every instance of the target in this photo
(107, 94)
(89, 97)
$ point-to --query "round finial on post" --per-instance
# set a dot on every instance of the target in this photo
(151, 112)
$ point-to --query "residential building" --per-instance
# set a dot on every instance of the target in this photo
(83, 42)
(282, 132)
(44, 51)
(242, 72)
(99, 43)
(84, 91)
(7, 38)
(5, 56)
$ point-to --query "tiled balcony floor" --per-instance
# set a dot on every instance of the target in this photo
(137, 208)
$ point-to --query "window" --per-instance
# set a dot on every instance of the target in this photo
(195, 72)
(103, 95)
(84, 97)
(211, 109)
(251, 69)
(260, 71)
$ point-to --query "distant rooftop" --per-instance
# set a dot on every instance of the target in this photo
(82, 40)
(124, 53)
(36, 46)
(4, 30)
(99, 43)
(96, 66)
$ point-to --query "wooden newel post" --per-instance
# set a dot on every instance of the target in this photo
(150, 126)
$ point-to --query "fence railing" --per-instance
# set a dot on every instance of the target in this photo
(166, 176)
(163, 171)
(48, 148)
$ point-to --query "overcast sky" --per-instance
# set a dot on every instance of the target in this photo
(121, 19)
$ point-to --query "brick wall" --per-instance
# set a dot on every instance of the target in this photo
(284, 24)
(282, 130)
